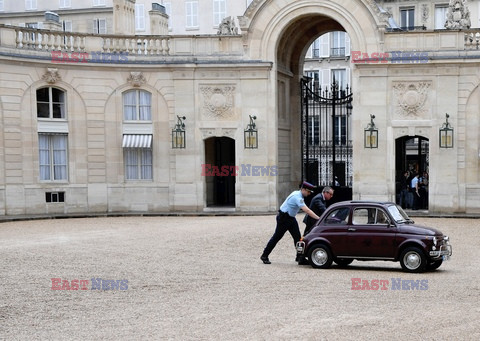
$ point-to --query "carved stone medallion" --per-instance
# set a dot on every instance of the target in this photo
(218, 101)
(411, 98)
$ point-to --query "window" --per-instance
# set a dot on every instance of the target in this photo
(100, 26)
(219, 11)
(51, 103)
(315, 80)
(340, 76)
(338, 216)
(440, 17)
(30, 5)
(338, 44)
(138, 163)
(369, 216)
(191, 10)
(316, 48)
(98, 2)
(1, 6)
(407, 21)
(324, 45)
(55, 196)
(65, 3)
(52, 156)
(140, 17)
(314, 131)
(341, 130)
(137, 105)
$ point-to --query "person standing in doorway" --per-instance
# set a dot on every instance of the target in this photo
(414, 186)
(404, 189)
(286, 220)
(318, 205)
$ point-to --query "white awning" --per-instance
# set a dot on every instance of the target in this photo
(137, 141)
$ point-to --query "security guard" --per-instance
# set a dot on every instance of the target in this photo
(286, 220)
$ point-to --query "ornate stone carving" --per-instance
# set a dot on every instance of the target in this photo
(218, 100)
(411, 98)
(425, 13)
(51, 76)
(136, 79)
(458, 15)
(227, 27)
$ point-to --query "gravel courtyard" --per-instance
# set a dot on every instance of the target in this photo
(200, 278)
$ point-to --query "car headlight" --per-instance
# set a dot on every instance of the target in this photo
(435, 240)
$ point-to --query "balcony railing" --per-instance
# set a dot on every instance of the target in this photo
(337, 52)
(31, 39)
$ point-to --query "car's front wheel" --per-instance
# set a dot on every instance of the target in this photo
(320, 256)
(413, 259)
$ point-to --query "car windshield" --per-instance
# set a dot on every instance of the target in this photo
(399, 214)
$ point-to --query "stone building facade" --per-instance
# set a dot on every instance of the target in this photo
(87, 119)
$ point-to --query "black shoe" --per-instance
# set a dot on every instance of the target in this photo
(265, 260)
(301, 260)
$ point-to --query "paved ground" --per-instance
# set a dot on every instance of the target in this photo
(200, 278)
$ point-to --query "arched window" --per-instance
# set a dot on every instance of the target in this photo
(51, 103)
(137, 105)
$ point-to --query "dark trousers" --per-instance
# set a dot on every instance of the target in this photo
(284, 223)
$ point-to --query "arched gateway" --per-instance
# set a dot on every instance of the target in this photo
(283, 35)
(234, 101)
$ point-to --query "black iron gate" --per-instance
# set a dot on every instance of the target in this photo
(326, 136)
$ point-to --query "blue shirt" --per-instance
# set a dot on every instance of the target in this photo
(293, 203)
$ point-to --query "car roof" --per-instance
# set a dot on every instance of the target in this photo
(361, 202)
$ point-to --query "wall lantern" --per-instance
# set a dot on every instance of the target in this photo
(446, 134)
(178, 133)
(251, 134)
(371, 134)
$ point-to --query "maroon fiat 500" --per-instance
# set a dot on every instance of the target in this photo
(361, 230)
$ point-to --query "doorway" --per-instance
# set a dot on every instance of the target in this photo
(220, 184)
(412, 157)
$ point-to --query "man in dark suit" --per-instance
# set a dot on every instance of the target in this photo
(317, 205)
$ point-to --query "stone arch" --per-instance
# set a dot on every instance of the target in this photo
(281, 32)
(264, 24)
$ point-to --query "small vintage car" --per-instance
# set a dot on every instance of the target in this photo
(367, 230)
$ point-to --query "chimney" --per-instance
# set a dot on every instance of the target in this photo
(124, 17)
(158, 20)
(52, 22)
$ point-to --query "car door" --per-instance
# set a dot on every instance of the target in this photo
(334, 229)
(371, 234)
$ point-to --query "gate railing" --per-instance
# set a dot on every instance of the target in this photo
(326, 135)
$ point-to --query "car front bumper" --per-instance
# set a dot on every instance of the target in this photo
(444, 252)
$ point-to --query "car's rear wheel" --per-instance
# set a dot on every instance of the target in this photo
(343, 261)
(413, 260)
(320, 256)
(434, 265)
